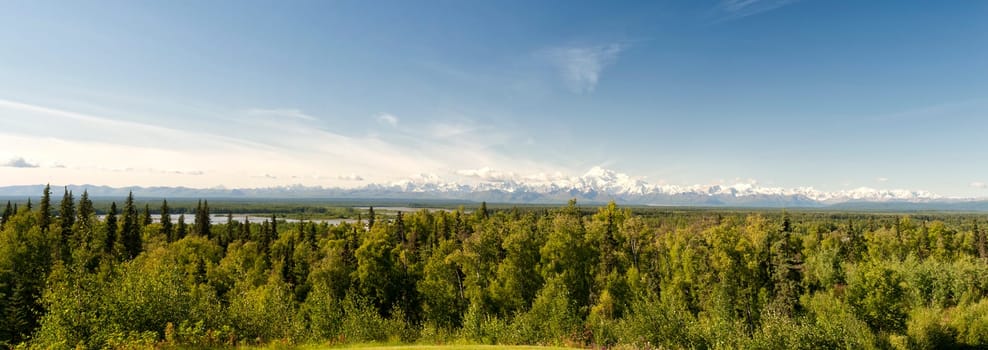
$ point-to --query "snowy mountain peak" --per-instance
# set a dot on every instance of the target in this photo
(597, 184)
(602, 181)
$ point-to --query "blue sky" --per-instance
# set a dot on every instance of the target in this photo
(829, 94)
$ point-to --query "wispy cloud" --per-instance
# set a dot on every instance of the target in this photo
(735, 9)
(581, 66)
(19, 162)
(447, 130)
(488, 174)
(979, 184)
(388, 119)
(284, 113)
(882, 179)
(350, 177)
(227, 149)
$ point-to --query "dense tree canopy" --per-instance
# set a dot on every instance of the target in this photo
(570, 275)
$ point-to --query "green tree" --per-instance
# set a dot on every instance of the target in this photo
(110, 234)
(230, 230)
(26, 257)
(370, 217)
(202, 224)
(274, 227)
(567, 256)
(7, 213)
(377, 269)
(166, 221)
(443, 300)
(145, 218)
(66, 219)
(130, 233)
(876, 293)
(44, 209)
(67, 214)
(85, 215)
(518, 278)
(182, 230)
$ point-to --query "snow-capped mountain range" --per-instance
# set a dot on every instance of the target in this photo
(604, 184)
(596, 185)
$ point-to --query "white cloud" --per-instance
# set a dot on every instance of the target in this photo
(350, 177)
(882, 179)
(734, 9)
(581, 67)
(979, 184)
(488, 174)
(284, 113)
(226, 149)
(388, 119)
(446, 130)
(185, 172)
(19, 162)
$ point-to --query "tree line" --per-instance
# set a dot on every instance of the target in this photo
(568, 276)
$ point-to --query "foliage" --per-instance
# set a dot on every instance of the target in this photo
(574, 276)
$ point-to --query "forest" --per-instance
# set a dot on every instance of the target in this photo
(571, 275)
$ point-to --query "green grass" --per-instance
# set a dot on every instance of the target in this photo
(385, 346)
(447, 347)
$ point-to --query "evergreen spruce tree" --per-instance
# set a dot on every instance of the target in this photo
(982, 241)
(787, 267)
(130, 234)
(202, 224)
(245, 229)
(17, 314)
(182, 229)
(146, 216)
(264, 237)
(7, 212)
(86, 210)
(44, 209)
(66, 218)
(230, 231)
(400, 228)
(166, 221)
(311, 236)
(370, 218)
(84, 219)
(274, 228)
(198, 218)
(66, 214)
(203, 221)
(110, 238)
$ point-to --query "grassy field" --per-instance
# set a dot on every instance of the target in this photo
(436, 347)
(450, 347)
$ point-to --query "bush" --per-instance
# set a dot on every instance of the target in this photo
(835, 324)
(876, 291)
(971, 324)
(264, 313)
(926, 329)
(551, 320)
(361, 322)
(479, 327)
(323, 315)
(654, 321)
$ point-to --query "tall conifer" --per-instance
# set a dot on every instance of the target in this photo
(130, 235)
(44, 209)
(166, 221)
(110, 238)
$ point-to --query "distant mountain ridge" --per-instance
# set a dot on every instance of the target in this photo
(596, 185)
